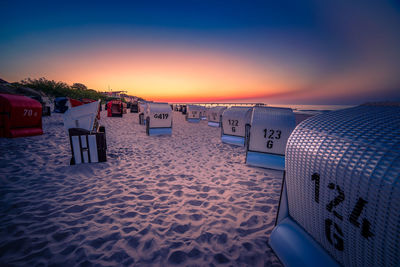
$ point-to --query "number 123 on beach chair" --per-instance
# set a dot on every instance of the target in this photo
(340, 200)
(267, 137)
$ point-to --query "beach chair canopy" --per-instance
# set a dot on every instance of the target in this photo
(234, 120)
(214, 114)
(84, 117)
(20, 116)
(160, 115)
(60, 104)
(194, 111)
(342, 190)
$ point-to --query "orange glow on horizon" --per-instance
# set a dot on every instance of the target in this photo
(168, 74)
(171, 74)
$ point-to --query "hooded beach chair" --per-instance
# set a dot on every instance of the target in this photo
(20, 116)
(234, 121)
(159, 119)
(340, 198)
(60, 104)
(183, 109)
(193, 113)
(134, 107)
(214, 116)
(203, 112)
(269, 131)
(114, 108)
(87, 138)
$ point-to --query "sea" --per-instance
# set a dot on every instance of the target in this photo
(298, 108)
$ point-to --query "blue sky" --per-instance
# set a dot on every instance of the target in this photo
(321, 52)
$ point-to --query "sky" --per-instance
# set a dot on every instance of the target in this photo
(289, 52)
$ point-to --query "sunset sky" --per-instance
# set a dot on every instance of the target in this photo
(289, 52)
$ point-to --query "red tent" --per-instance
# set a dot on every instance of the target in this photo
(20, 116)
(114, 108)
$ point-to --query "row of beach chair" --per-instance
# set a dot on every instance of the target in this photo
(340, 197)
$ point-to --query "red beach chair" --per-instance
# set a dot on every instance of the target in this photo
(114, 108)
(20, 116)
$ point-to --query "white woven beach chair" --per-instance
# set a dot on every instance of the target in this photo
(193, 113)
(340, 200)
(214, 115)
(268, 135)
(234, 121)
(159, 119)
(87, 138)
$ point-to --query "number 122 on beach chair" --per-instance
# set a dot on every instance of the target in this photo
(233, 126)
(267, 137)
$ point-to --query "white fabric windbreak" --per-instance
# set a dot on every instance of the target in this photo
(214, 114)
(160, 115)
(343, 187)
(270, 129)
(83, 116)
(234, 120)
(194, 112)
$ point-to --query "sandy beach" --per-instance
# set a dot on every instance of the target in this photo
(185, 199)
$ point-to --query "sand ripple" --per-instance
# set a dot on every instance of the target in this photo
(181, 200)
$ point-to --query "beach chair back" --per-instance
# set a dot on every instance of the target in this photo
(159, 119)
(214, 116)
(233, 121)
(87, 146)
(269, 132)
(193, 113)
(340, 201)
